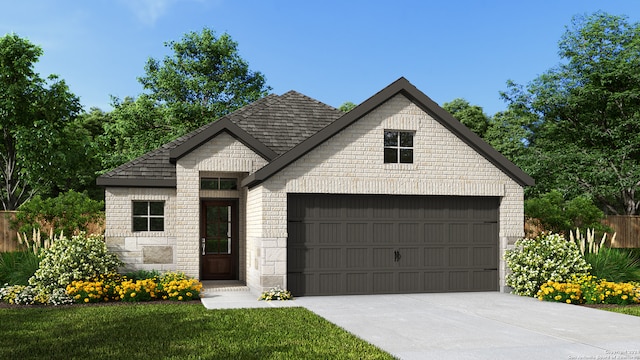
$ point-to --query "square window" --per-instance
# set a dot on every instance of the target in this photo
(398, 147)
(148, 216)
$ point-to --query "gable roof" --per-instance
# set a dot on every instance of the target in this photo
(270, 126)
(282, 129)
(404, 87)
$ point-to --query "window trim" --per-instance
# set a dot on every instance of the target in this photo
(398, 147)
(148, 216)
(219, 181)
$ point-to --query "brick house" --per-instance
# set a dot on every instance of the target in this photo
(395, 196)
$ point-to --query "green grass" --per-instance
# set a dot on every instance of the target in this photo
(174, 331)
(629, 310)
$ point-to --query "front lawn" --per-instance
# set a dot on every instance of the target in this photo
(629, 310)
(174, 331)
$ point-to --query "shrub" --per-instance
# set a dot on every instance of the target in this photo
(558, 215)
(143, 274)
(92, 291)
(181, 290)
(70, 213)
(80, 258)
(276, 293)
(617, 265)
(536, 261)
(17, 267)
(138, 290)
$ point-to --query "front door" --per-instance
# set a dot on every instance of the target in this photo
(219, 240)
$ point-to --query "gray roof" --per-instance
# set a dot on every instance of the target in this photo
(270, 126)
(282, 129)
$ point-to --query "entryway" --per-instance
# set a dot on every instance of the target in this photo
(219, 240)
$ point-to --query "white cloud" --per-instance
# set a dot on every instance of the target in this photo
(148, 11)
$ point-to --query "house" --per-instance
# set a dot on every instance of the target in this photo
(395, 196)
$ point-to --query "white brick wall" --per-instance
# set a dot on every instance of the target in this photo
(352, 162)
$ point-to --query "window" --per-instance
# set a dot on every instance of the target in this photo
(148, 216)
(218, 184)
(398, 146)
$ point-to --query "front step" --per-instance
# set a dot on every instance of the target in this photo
(216, 286)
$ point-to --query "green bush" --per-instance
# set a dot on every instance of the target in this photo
(616, 265)
(82, 257)
(16, 267)
(70, 212)
(558, 215)
(548, 257)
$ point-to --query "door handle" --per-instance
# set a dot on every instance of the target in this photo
(396, 256)
(204, 245)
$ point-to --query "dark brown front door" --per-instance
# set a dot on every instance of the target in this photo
(219, 240)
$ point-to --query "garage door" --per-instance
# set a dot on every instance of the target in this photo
(379, 244)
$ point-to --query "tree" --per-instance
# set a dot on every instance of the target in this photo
(558, 215)
(347, 106)
(472, 116)
(204, 79)
(33, 118)
(587, 114)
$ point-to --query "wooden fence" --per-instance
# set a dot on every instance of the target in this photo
(9, 236)
(627, 229)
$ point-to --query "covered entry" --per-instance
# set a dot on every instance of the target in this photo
(378, 244)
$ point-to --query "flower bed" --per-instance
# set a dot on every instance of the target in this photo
(590, 290)
(107, 288)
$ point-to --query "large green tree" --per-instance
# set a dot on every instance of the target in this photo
(35, 155)
(204, 79)
(586, 115)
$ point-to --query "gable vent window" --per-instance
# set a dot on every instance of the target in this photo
(218, 184)
(148, 216)
(398, 146)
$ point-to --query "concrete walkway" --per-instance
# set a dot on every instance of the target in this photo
(487, 325)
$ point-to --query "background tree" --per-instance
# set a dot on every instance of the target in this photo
(34, 115)
(586, 126)
(472, 116)
(203, 80)
(347, 106)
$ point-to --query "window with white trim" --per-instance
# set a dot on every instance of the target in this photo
(398, 146)
(148, 215)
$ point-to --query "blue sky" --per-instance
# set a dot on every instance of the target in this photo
(333, 51)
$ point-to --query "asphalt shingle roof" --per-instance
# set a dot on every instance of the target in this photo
(280, 122)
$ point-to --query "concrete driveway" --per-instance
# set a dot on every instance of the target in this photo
(487, 325)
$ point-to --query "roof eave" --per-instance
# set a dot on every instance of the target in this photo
(216, 128)
(136, 182)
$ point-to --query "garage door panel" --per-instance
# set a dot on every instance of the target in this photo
(357, 283)
(383, 257)
(383, 233)
(358, 258)
(383, 282)
(409, 282)
(363, 244)
(435, 233)
(357, 233)
(434, 257)
(434, 281)
(410, 233)
(484, 257)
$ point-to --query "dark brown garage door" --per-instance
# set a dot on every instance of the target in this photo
(379, 244)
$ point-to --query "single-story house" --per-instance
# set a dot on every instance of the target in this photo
(394, 196)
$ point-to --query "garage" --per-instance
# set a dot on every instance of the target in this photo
(386, 244)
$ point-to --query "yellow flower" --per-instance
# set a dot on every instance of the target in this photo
(86, 300)
(179, 298)
(568, 301)
(133, 294)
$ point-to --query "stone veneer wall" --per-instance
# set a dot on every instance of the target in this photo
(352, 163)
(152, 250)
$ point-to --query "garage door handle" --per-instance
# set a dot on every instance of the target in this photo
(396, 256)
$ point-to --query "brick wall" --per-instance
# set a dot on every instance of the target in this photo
(352, 162)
